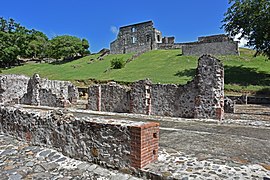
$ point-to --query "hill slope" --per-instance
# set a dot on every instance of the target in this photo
(242, 73)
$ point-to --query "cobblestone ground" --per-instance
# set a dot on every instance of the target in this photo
(178, 165)
(18, 161)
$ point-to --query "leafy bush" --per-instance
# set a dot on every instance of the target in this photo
(117, 63)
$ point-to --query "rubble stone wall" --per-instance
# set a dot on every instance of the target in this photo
(12, 87)
(109, 142)
(203, 97)
(36, 91)
(213, 48)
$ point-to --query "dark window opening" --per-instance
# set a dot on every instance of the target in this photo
(158, 38)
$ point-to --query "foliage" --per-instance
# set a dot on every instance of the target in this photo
(251, 19)
(243, 73)
(67, 47)
(117, 63)
(18, 42)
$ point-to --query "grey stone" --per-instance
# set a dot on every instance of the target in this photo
(120, 176)
(45, 153)
(9, 152)
(15, 177)
(29, 164)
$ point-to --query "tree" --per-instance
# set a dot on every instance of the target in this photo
(66, 47)
(251, 19)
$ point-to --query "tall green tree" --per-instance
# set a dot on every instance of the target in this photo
(251, 19)
(67, 47)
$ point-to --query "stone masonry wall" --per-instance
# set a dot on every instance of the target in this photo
(36, 91)
(109, 142)
(209, 81)
(137, 38)
(213, 48)
(12, 87)
(203, 97)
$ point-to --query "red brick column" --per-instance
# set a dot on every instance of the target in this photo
(144, 144)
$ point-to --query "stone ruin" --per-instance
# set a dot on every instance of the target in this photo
(110, 142)
(215, 45)
(142, 37)
(203, 97)
(36, 91)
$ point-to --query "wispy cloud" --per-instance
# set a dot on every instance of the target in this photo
(114, 29)
(242, 42)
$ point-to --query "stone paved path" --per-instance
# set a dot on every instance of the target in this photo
(178, 165)
(18, 161)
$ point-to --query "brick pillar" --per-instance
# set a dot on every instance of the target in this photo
(144, 144)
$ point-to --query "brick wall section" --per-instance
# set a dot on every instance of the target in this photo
(106, 141)
(146, 137)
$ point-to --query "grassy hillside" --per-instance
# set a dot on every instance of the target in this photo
(242, 73)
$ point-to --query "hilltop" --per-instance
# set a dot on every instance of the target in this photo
(243, 73)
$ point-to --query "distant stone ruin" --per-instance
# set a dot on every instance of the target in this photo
(138, 38)
(203, 97)
(36, 91)
(143, 37)
(215, 45)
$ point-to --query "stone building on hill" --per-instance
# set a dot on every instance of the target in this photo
(139, 37)
(143, 37)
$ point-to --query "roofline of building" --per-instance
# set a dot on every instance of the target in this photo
(137, 24)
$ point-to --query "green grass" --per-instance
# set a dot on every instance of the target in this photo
(243, 73)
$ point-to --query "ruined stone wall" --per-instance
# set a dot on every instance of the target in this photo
(213, 48)
(209, 80)
(109, 142)
(36, 91)
(12, 87)
(173, 100)
(137, 38)
(203, 97)
(109, 97)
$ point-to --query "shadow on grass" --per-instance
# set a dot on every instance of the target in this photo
(240, 75)
(186, 72)
(59, 62)
(245, 76)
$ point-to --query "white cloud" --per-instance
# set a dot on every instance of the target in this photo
(114, 30)
(242, 42)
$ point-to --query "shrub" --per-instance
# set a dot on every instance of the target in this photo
(117, 63)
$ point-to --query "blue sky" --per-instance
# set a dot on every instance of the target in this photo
(97, 20)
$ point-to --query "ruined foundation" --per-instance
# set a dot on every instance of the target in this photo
(203, 97)
(36, 91)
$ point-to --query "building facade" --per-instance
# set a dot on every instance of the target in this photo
(139, 37)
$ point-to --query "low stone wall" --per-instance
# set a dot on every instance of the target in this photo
(109, 142)
(203, 97)
(36, 91)
(213, 48)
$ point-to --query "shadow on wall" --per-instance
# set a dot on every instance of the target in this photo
(245, 76)
(263, 92)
